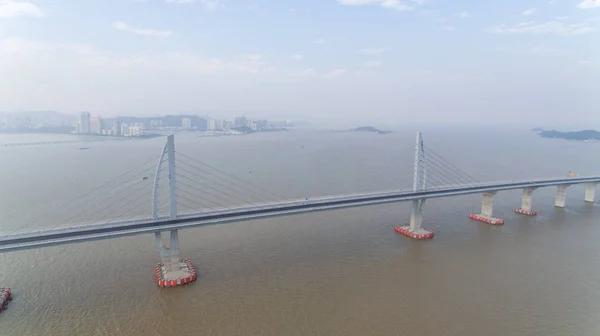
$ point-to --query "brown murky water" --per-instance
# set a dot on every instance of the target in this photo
(334, 273)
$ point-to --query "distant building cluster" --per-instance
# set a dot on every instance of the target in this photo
(86, 123)
(115, 127)
(36, 121)
(255, 125)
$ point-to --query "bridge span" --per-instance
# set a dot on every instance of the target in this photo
(172, 268)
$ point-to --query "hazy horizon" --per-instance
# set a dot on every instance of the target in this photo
(349, 62)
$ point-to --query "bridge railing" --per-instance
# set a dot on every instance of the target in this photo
(321, 199)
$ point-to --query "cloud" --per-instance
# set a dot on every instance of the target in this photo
(530, 11)
(320, 41)
(548, 51)
(212, 5)
(63, 56)
(593, 65)
(297, 57)
(335, 73)
(11, 9)
(587, 4)
(308, 72)
(551, 27)
(141, 31)
(18, 46)
(373, 51)
(464, 15)
(373, 64)
(209, 5)
(392, 4)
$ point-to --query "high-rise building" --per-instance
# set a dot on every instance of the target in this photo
(212, 125)
(218, 125)
(186, 123)
(96, 125)
(261, 124)
(84, 122)
(155, 123)
(241, 122)
(116, 128)
(135, 131)
(252, 124)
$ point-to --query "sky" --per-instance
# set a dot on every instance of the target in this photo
(535, 62)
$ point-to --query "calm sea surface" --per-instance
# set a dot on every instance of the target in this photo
(342, 272)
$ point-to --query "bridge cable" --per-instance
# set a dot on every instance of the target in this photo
(450, 165)
(206, 187)
(141, 186)
(254, 187)
(438, 182)
(442, 173)
(217, 183)
(247, 190)
(448, 171)
(246, 194)
(440, 177)
(194, 202)
(88, 197)
(209, 193)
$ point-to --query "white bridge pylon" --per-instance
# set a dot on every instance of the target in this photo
(414, 229)
(171, 268)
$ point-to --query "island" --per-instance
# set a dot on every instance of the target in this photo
(369, 129)
(585, 135)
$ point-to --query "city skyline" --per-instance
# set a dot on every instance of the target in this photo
(356, 60)
(89, 123)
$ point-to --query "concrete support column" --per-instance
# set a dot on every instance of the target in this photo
(487, 204)
(561, 196)
(590, 192)
(414, 229)
(174, 255)
(525, 208)
(162, 248)
(487, 210)
(416, 215)
(527, 199)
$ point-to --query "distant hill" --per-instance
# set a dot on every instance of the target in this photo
(585, 135)
(369, 129)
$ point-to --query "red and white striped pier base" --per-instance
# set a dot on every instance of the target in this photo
(526, 212)
(420, 234)
(184, 275)
(488, 220)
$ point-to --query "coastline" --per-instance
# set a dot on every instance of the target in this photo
(581, 136)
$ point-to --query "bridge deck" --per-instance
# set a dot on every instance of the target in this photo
(58, 236)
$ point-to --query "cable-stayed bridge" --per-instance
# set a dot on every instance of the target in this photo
(195, 193)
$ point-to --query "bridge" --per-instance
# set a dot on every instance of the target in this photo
(433, 177)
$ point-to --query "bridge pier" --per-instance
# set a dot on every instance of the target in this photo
(590, 192)
(414, 229)
(561, 196)
(171, 271)
(526, 202)
(487, 208)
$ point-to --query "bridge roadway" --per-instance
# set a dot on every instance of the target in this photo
(68, 235)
